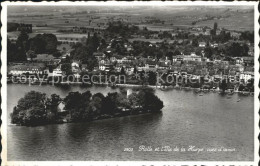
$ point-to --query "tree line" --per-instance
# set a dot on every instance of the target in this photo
(28, 47)
(83, 52)
(35, 108)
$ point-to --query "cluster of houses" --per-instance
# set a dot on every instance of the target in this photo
(240, 69)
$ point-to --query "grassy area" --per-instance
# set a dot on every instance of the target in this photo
(234, 18)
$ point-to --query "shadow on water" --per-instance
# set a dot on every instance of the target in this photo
(81, 132)
(114, 126)
(63, 86)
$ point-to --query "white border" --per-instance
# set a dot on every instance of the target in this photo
(114, 163)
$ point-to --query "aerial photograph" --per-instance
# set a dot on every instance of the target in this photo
(130, 83)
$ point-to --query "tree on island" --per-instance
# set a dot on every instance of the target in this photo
(96, 104)
(31, 110)
(109, 105)
(146, 100)
(37, 109)
(134, 100)
(77, 105)
(149, 101)
(52, 107)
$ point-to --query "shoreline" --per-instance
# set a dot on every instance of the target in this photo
(160, 87)
(100, 118)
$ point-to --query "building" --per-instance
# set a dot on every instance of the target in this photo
(75, 66)
(235, 34)
(150, 65)
(248, 61)
(191, 58)
(237, 68)
(99, 55)
(70, 38)
(25, 27)
(79, 29)
(202, 44)
(218, 32)
(57, 72)
(214, 45)
(251, 51)
(207, 32)
(13, 39)
(125, 60)
(105, 67)
(48, 59)
(27, 69)
(179, 58)
(84, 67)
(246, 76)
(239, 60)
(162, 66)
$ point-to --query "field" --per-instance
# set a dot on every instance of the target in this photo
(60, 18)
(150, 40)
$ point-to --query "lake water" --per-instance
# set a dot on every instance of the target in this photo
(208, 121)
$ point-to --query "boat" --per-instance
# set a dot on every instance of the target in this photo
(164, 88)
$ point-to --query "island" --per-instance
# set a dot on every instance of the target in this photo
(35, 108)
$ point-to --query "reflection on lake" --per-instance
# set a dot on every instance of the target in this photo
(204, 121)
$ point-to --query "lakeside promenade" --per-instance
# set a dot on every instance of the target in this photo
(161, 87)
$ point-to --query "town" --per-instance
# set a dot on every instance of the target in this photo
(130, 81)
(207, 57)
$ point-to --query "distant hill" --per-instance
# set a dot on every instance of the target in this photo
(229, 17)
